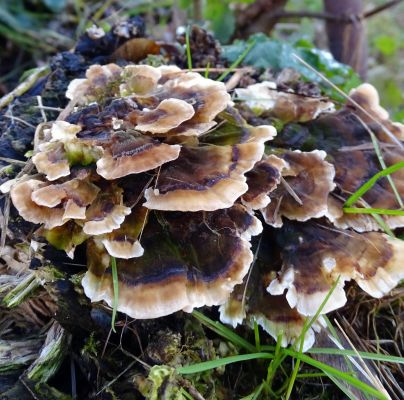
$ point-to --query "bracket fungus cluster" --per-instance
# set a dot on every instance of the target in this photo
(157, 168)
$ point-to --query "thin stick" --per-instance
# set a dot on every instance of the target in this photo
(249, 275)
(116, 378)
(12, 161)
(19, 120)
(349, 19)
(374, 379)
(381, 160)
(40, 104)
(291, 191)
(49, 108)
(24, 86)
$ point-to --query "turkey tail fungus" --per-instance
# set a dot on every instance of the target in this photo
(201, 195)
(175, 197)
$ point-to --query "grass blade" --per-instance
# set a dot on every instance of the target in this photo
(342, 387)
(237, 62)
(188, 48)
(336, 373)
(379, 211)
(116, 291)
(207, 365)
(363, 354)
(306, 327)
(379, 155)
(369, 184)
(225, 332)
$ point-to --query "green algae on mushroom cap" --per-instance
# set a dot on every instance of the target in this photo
(101, 81)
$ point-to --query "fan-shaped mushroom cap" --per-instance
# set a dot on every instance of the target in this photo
(106, 213)
(262, 133)
(110, 221)
(48, 196)
(165, 101)
(74, 211)
(52, 161)
(262, 180)
(314, 256)
(98, 82)
(345, 136)
(207, 98)
(277, 318)
(204, 178)
(353, 169)
(123, 242)
(139, 80)
(251, 302)
(366, 96)
(55, 157)
(81, 192)
(309, 180)
(123, 248)
(169, 114)
(21, 196)
(190, 260)
(129, 154)
(62, 131)
(287, 106)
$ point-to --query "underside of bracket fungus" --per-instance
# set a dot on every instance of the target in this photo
(157, 168)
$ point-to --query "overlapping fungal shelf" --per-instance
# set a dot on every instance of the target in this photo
(155, 167)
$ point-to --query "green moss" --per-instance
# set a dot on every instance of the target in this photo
(52, 354)
(160, 380)
(79, 154)
(65, 237)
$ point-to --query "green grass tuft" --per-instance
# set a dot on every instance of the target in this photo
(116, 291)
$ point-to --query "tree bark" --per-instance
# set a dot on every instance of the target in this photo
(260, 16)
(347, 40)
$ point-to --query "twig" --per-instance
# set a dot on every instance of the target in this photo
(40, 104)
(49, 108)
(307, 14)
(12, 161)
(369, 375)
(347, 18)
(116, 378)
(381, 8)
(24, 86)
(19, 120)
(291, 191)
